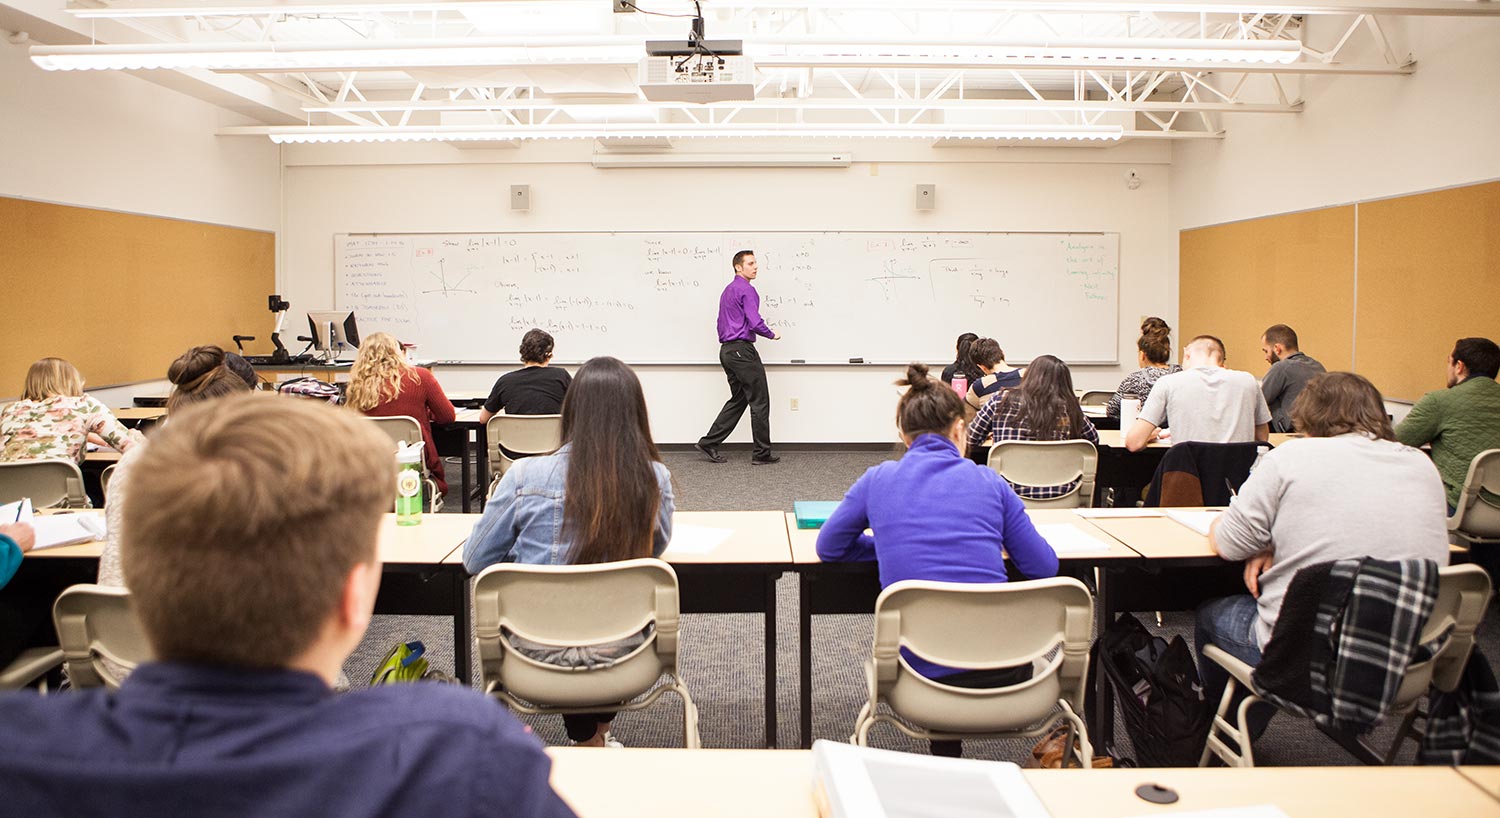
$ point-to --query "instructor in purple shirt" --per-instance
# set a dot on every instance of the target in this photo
(739, 323)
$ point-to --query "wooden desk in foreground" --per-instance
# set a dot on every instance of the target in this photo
(640, 783)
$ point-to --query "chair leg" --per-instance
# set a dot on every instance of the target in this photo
(1213, 745)
(862, 723)
(1082, 748)
(690, 737)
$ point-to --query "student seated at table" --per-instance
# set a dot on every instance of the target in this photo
(961, 364)
(1153, 355)
(24, 615)
(936, 516)
(54, 418)
(1043, 407)
(534, 389)
(252, 561)
(986, 356)
(1347, 490)
(603, 496)
(1462, 420)
(1206, 402)
(382, 385)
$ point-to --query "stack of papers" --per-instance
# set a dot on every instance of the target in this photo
(862, 782)
(695, 539)
(1198, 521)
(1066, 538)
(64, 528)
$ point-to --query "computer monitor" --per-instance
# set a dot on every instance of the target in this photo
(333, 331)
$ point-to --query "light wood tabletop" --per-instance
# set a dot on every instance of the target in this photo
(140, 412)
(431, 542)
(1114, 437)
(1155, 537)
(466, 416)
(805, 540)
(745, 783)
(724, 537)
(102, 456)
(1486, 779)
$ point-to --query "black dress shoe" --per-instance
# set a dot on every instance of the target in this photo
(762, 461)
(711, 453)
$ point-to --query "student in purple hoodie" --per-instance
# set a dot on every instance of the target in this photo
(908, 504)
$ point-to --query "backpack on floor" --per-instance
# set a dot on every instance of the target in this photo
(407, 662)
(1158, 691)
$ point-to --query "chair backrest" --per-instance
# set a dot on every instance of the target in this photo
(1197, 474)
(1478, 514)
(1095, 397)
(46, 482)
(1003, 625)
(1049, 463)
(401, 429)
(576, 606)
(523, 435)
(95, 623)
(1463, 597)
(105, 477)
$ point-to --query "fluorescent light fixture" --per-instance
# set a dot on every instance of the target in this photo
(621, 51)
(610, 161)
(339, 133)
(272, 56)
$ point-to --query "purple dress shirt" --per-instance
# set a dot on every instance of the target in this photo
(739, 313)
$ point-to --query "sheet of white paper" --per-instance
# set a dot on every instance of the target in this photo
(1257, 811)
(1198, 521)
(695, 539)
(1070, 539)
(1123, 511)
(67, 529)
(17, 512)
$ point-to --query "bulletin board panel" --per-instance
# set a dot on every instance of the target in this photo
(1295, 269)
(1429, 274)
(121, 295)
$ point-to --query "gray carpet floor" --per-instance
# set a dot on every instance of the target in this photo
(722, 654)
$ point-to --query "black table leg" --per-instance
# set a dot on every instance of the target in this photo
(771, 577)
(463, 626)
(1102, 719)
(804, 658)
(481, 463)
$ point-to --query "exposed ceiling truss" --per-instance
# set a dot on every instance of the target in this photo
(520, 69)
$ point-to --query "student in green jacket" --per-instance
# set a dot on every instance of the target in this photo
(1462, 420)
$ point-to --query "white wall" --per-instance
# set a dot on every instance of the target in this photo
(115, 142)
(437, 188)
(1358, 137)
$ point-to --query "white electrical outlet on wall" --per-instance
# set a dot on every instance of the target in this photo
(795, 405)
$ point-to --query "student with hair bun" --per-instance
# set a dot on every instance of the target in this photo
(1154, 354)
(937, 516)
(200, 374)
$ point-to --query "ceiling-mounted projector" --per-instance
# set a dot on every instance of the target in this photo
(697, 70)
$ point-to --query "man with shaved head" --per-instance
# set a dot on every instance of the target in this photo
(1206, 402)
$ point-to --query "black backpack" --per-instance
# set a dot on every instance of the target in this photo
(1158, 692)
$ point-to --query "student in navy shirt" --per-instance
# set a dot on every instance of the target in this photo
(249, 546)
(937, 516)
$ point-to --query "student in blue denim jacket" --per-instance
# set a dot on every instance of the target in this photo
(604, 496)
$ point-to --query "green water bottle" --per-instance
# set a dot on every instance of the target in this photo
(409, 484)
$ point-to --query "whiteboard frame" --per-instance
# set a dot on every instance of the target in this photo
(845, 363)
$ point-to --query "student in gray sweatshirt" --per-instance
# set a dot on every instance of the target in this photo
(1346, 490)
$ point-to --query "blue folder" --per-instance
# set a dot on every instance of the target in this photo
(813, 513)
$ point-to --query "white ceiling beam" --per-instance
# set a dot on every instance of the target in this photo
(1445, 8)
(997, 105)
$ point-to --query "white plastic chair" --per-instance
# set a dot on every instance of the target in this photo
(47, 482)
(1477, 520)
(1045, 623)
(406, 429)
(1095, 397)
(1049, 463)
(578, 606)
(97, 626)
(523, 435)
(1463, 596)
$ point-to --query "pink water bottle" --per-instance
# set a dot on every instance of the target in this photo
(961, 385)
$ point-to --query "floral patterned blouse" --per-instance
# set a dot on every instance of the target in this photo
(58, 427)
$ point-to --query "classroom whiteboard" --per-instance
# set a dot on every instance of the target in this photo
(653, 297)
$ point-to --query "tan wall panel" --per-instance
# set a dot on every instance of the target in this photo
(1297, 269)
(1429, 274)
(120, 295)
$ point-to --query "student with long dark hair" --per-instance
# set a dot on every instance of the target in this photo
(604, 496)
(909, 505)
(1043, 407)
(961, 364)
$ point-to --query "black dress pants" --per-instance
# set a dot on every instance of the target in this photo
(747, 387)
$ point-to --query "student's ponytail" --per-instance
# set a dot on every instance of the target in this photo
(927, 406)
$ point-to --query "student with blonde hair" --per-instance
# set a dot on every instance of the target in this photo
(53, 418)
(253, 563)
(382, 385)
